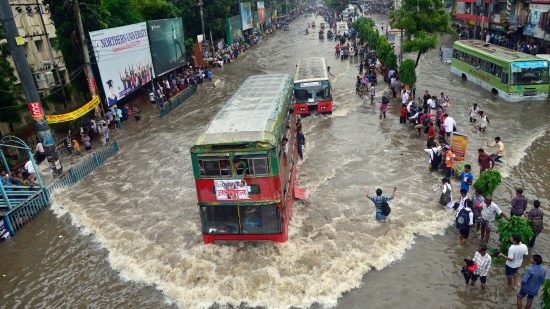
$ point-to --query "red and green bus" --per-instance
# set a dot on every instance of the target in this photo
(312, 90)
(244, 164)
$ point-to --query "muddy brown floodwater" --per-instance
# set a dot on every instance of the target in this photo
(128, 235)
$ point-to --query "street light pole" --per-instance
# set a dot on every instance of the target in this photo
(29, 88)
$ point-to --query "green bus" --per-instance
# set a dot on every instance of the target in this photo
(506, 73)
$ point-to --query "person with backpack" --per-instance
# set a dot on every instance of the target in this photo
(535, 218)
(435, 156)
(381, 203)
(531, 282)
(446, 198)
(464, 220)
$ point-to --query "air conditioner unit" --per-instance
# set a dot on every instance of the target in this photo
(41, 81)
(47, 65)
(50, 79)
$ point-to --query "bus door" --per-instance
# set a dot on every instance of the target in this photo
(313, 97)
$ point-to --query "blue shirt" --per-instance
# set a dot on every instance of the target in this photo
(464, 185)
(378, 200)
(533, 279)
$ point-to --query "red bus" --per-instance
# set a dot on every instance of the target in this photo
(312, 90)
(244, 164)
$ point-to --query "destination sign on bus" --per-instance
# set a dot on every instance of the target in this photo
(310, 84)
(529, 64)
(230, 190)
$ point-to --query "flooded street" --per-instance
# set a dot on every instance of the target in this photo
(128, 235)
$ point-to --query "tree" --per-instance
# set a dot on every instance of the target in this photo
(407, 72)
(422, 21)
(10, 93)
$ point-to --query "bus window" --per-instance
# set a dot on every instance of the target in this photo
(265, 219)
(219, 220)
(498, 70)
(327, 93)
(320, 94)
(215, 166)
(258, 165)
(302, 95)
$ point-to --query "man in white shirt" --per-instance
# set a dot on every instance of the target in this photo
(404, 97)
(29, 167)
(450, 124)
(514, 259)
(488, 213)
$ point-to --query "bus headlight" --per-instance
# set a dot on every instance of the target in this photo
(323, 107)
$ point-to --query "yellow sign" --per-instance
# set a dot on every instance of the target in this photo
(83, 110)
(459, 143)
(19, 40)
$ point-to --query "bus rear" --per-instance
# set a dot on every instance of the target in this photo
(312, 89)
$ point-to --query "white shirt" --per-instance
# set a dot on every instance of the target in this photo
(449, 124)
(483, 264)
(433, 151)
(431, 103)
(488, 213)
(474, 111)
(470, 214)
(409, 106)
(516, 252)
(405, 97)
(462, 202)
(39, 148)
(29, 167)
(447, 186)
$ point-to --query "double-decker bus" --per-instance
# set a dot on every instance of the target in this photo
(312, 91)
(245, 164)
(509, 74)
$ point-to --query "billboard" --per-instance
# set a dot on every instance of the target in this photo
(234, 31)
(167, 44)
(268, 17)
(123, 58)
(246, 15)
(261, 12)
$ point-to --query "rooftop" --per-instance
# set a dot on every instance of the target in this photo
(250, 114)
(496, 51)
(313, 68)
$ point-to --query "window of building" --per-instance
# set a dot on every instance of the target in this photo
(39, 45)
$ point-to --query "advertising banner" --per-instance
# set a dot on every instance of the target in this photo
(255, 23)
(230, 190)
(123, 58)
(36, 110)
(246, 15)
(261, 12)
(234, 31)
(532, 25)
(83, 110)
(459, 143)
(167, 44)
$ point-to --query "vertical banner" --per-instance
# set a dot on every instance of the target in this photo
(459, 143)
(36, 111)
(246, 15)
(261, 12)
(167, 44)
(268, 18)
(123, 58)
(234, 29)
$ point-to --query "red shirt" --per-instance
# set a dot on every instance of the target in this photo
(403, 111)
(484, 161)
(431, 132)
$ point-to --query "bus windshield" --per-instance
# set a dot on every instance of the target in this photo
(312, 94)
(264, 219)
(529, 72)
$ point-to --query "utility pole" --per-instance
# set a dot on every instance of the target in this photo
(200, 4)
(52, 58)
(475, 20)
(29, 88)
(86, 54)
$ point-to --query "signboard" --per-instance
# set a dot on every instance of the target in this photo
(83, 110)
(36, 110)
(261, 12)
(531, 27)
(459, 143)
(167, 44)
(246, 15)
(230, 190)
(123, 58)
(310, 84)
(268, 17)
(234, 30)
(255, 22)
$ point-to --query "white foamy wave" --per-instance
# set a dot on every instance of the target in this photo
(516, 152)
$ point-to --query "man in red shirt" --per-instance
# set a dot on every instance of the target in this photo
(431, 134)
(403, 114)
(486, 162)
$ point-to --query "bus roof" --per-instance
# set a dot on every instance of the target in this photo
(495, 51)
(251, 113)
(311, 69)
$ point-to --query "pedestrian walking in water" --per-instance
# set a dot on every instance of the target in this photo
(384, 107)
(535, 217)
(500, 149)
(446, 198)
(514, 259)
(136, 111)
(531, 282)
(372, 93)
(483, 121)
(483, 261)
(464, 219)
(466, 178)
(300, 141)
(379, 200)
(519, 204)
(489, 211)
(474, 111)
(485, 161)
(449, 161)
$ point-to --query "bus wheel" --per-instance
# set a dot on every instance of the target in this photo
(464, 76)
(494, 92)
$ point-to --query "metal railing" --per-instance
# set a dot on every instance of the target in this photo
(177, 100)
(31, 203)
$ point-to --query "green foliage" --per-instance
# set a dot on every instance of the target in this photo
(459, 167)
(422, 21)
(507, 228)
(10, 93)
(407, 72)
(487, 182)
(367, 32)
(546, 294)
